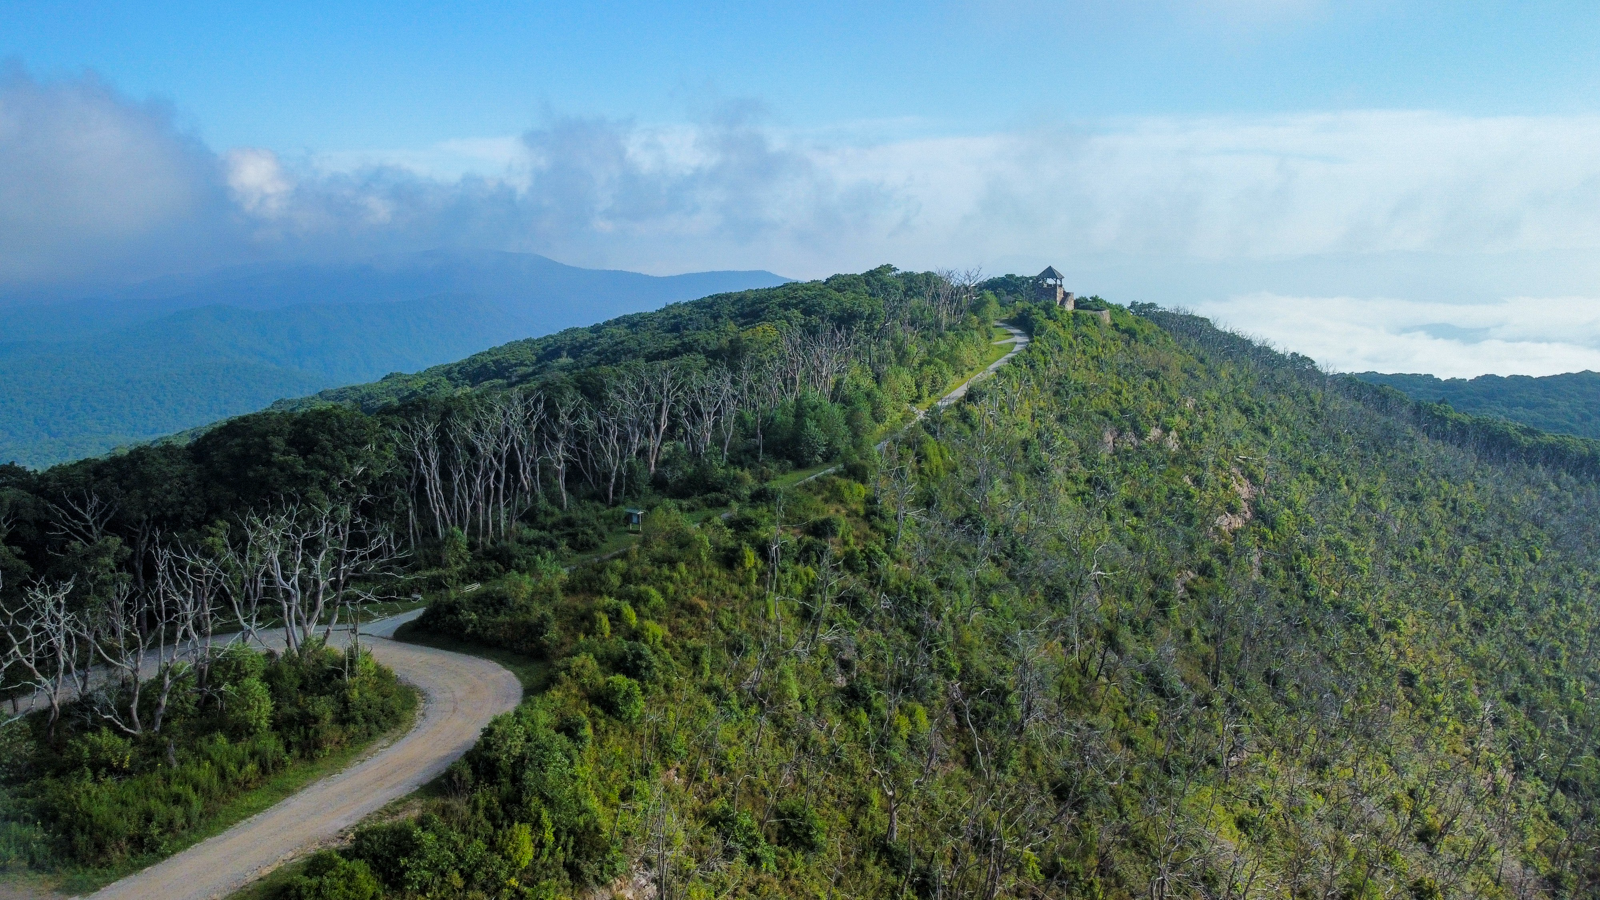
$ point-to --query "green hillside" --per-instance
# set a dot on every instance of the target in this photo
(710, 326)
(1154, 612)
(1564, 404)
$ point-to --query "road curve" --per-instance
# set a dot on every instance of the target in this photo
(1019, 340)
(460, 694)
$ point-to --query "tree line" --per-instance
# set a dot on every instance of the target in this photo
(295, 518)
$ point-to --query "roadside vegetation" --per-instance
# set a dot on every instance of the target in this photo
(89, 799)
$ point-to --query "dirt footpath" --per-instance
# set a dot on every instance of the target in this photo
(460, 694)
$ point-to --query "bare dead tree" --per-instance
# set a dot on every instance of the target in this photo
(736, 391)
(707, 401)
(898, 485)
(823, 591)
(965, 284)
(84, 518)
(45, 642)
(790, 363)
(1029, 649)
(486, 443)
(761, 388)
(240, 571)
(206, 583)
(158, 631)
(832, 351)
(526, 424)
(420, 444)
(608, 445)
(482, 467)
(558, 439)
(942, 297)
(662, 387)
(775, 552)
(813, 360)
(661, 827)
(121, 631)
(313, 560)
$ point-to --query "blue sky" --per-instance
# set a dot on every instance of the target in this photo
(1341, 178)
(356, 76)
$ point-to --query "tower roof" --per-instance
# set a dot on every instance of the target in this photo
(1050, 274)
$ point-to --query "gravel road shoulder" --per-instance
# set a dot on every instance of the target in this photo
(460, 695)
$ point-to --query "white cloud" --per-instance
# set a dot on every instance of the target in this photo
(1232, 189)
(484, 157)
(1190, 210)
(1217, 190)
(89, 178)
(731, 191)
(257, 181)
(1521, 335)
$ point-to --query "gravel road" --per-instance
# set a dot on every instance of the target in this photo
(1018, 338)
(460, 694)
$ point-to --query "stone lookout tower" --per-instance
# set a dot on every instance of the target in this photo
(1052, 288)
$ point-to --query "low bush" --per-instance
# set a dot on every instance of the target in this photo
(88, 795)
(329, 876)
(621, 697)
(529, 815)
(516, 612)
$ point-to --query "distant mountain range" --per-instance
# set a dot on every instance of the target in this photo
(82, 377)
(1563, 404)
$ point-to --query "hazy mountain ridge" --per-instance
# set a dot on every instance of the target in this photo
(82, 377)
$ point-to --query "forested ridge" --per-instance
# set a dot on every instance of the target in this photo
(1153, 612)
(81, 378)
(1567, 404)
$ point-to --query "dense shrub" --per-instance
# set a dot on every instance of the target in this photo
(329, 876)
(515, 612)
(93, 796)
(1155, 611)
(621, 697)
(799, 826)
(529, 816)
(1137, 613)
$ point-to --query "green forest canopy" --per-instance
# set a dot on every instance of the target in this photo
(1565, 404)
(1154, 612)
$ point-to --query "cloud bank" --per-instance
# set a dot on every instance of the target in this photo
(92, 180)
(96, 185)
(1519, 335)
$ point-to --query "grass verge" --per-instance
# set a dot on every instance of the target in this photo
(993, 355)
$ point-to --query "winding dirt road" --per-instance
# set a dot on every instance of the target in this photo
(460, 694)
